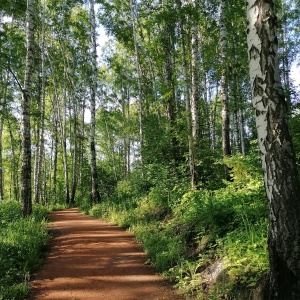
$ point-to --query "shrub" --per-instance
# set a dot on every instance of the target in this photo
(21, 243)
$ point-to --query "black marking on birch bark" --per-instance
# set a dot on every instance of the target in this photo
(254, 52)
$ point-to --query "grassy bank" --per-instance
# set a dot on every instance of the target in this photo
(22, 241)
(189, 234)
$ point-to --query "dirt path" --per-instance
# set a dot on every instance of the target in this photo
(91, 259)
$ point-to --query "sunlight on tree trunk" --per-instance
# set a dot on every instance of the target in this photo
(26, 138)
(95, 190)
(277, 154)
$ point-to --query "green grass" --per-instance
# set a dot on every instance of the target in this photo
(184, 230)
(22, 241)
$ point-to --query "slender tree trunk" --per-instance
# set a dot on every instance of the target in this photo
(188, 112)
(56, 120)
(126, 116)
(236, 111)
(75, 170)
(170, 92)
(26, 135)
(39, 159)
(242, 131)
(14, 165)
(195, 67)
(111, 147)
(226, 148)
(74, 152)
(1, 162)
(95, 195)
(65, 156)
(2, 115)
(277, 154)
(54, 164)
(139, 71)
(285, 61)
(224, 94)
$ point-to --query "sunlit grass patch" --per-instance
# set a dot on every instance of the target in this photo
(21, 242)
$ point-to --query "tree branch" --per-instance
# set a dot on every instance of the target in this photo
(16, 78)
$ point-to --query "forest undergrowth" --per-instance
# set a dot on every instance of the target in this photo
(22, 243)
(211, 242)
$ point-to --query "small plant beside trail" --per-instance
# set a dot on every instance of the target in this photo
(211, 241)
(21, 242)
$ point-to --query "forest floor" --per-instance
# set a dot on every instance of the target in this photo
(90, 259)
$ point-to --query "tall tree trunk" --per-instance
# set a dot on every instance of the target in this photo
(277, 154)
(226, 148)
(224, 94)
(14, 165)
(285, 61)
(54, 154)
(126, 116)
(242, 131)
(1, 162)
(39, 158)
(26, 135)
(188, 111)
(139, 73)
(75, 154)
(65, 153)
(195, 67)
(169, 92)
(95, 189)
(5, 83)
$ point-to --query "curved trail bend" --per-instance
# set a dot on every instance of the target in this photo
(91, 259)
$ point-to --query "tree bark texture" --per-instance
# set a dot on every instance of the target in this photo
(224, 94)
(1, 162)
(189, 122)
(139, 78)
(26, 196)
(95, 190)
(39, 158)
(195, 76)
(277, 154)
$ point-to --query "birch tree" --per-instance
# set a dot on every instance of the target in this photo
(224, 93)
(134, 16)
(95, 191)
(26, 135)
(40, 126)
(277, 154)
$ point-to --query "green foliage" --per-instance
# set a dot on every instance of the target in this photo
(184, 230)
(21, 242)
(163, 248)
(9, 212)
(220, 211)
(294, 126)
(245, 252)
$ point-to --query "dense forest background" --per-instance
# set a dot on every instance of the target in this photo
(156, 132)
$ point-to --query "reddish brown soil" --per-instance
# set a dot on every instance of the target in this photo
(91, 259)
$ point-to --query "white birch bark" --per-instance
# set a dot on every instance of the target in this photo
(277, 154)
(95, 190)
(39, 158)
(139, 71)
(224, 94)
(188, 111)
(63, 129)
(195, 68)
(3, 99)
(26, 189)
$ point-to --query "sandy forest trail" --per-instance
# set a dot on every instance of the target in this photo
(90, 259)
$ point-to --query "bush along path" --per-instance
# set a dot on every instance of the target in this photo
(93, 259)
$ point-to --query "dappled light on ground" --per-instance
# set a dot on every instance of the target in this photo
(92, 259)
